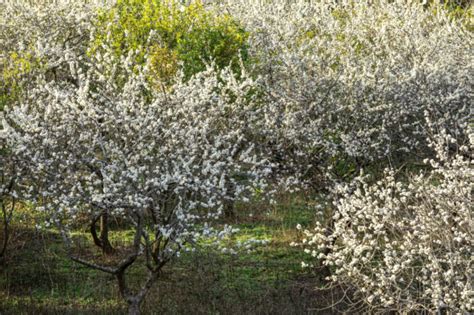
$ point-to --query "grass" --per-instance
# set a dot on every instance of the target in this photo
(38, 278)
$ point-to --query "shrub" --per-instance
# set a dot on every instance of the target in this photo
(405, 246)
(169, 33)
(16, 66)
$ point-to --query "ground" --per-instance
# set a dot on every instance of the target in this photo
(38, 278)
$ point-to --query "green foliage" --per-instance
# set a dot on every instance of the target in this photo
(463, 13)
(167, 33)
(15, 66)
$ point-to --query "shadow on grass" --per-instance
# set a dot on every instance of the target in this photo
(38, 278)
(209, 283)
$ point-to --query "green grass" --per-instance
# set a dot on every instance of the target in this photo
(39, 279)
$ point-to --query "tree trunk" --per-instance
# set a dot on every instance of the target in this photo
(5, 239)
(229, 209)
(134, 308)
(6, 232)
(104, 235)
(102, 240)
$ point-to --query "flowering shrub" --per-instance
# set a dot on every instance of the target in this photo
(35, 39)
(405, 246)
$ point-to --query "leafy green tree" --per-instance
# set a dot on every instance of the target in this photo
(168, 33)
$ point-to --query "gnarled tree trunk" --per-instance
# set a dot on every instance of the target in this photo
(102, 240)
(6, 233)
(104, 235)
(7, 213)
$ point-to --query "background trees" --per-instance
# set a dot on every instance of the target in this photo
(349, 84)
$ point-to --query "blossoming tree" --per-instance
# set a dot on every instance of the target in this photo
(158, 164)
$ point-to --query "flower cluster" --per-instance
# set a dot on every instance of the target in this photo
(41, 38)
